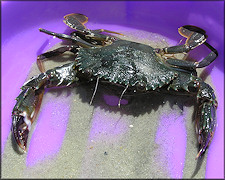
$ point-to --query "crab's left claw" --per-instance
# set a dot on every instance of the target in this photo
(20, 130)
(206, 123)
(25, 110)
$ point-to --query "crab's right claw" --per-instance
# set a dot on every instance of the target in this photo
(206, 125)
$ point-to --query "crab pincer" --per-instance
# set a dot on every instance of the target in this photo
(206, 122)
(20, 129)
(30, 98)
(23, 114)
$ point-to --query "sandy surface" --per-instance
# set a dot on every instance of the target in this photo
(137, 140)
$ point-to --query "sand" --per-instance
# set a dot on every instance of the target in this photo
(104, 141)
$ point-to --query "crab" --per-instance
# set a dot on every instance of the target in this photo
(137, 68)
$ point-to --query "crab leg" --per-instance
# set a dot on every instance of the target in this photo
(208, 59)
(177, 63)
(206, 111)
(77, 40)
(104, 30)
(28, 101)
(53, 53)
(204, 62)
(195, 37)
(206, 116)
(76, 21)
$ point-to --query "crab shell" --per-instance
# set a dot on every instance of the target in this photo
(133, 64)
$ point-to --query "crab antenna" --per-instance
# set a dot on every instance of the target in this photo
(96, 86)
(122, 95)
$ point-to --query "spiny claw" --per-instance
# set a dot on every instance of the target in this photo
(20, 129)
(205, 139)
(206, 126)
(25, 110)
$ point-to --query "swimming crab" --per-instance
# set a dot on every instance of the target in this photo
(138, 68)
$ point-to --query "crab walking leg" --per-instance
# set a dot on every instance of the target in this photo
(104, 30)
(55, 52)
(28, 101)
(195, 37)
(208, 59)
(203, 63)
(77, 40)
(206, 116)
(177, 63)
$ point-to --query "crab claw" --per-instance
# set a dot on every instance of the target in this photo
(205, 139)
(23, 114)
(20, 129)
(206, 126)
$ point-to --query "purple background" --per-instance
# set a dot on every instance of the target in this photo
(22, 42)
